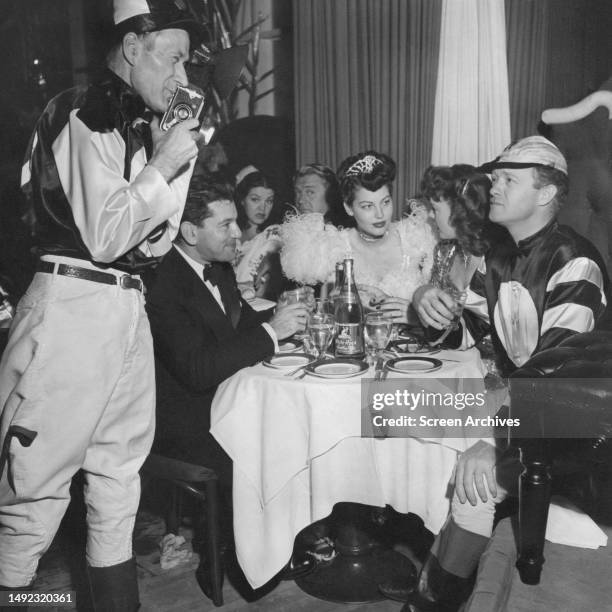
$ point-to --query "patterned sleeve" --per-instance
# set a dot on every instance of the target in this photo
(575, 299)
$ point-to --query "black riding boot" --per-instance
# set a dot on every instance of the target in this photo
(114, 588)
(437, 590)
(445, 580)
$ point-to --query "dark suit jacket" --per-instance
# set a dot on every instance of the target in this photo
(196, 348)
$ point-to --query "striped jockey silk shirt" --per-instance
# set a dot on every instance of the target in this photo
(534, 294)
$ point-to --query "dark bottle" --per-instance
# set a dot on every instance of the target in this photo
(349, 316)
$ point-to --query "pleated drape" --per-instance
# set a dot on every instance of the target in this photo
(365, 76)
(527, 26)
(472, 114)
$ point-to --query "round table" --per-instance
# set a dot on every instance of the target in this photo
(297, 450)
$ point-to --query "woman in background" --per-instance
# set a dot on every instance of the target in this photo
(257, 269)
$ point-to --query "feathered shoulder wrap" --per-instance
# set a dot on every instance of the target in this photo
(310, 248)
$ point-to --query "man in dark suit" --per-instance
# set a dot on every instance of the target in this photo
(203, 331)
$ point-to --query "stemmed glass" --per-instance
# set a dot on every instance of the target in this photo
(459, 295)
(377, 333)
(321, 330)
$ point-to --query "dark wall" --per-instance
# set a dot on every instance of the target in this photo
(580, 49)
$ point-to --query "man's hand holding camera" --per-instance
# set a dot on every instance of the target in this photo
(175, 148)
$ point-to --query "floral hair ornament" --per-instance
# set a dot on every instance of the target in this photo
(365, 165)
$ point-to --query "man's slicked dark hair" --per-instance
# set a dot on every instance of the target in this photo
(202, 192)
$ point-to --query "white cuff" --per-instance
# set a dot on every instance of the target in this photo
(272, 334)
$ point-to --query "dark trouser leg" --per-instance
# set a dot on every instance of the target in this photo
(114, 588)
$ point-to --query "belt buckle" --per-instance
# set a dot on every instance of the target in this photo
(128, 282)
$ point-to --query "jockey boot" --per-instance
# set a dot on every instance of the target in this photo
(114, 588)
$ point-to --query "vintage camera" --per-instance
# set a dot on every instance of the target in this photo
(185, 104)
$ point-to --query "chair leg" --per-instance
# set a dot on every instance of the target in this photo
(534, 499)
(174, 511)
(213, 541)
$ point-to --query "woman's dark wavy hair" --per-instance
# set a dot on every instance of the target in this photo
(468, 194)
(250, 181)
(336, 215)
(381, 174)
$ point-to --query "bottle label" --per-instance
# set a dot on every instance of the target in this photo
(349, 339)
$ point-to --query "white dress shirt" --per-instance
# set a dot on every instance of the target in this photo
(199, 270)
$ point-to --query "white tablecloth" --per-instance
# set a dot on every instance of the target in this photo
(297, 450)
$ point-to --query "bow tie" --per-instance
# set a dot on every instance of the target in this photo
(213, 273)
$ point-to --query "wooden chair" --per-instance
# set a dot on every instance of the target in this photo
(202, 485)
(563, 398)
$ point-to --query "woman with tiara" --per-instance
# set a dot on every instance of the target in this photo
(391, 258)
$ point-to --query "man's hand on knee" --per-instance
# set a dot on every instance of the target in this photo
(476, 469)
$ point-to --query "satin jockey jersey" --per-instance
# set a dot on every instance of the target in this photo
(90, 191)
(534, 294)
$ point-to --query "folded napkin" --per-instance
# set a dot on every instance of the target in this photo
(570, 526)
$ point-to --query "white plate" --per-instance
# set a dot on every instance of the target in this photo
(288, 360)
(403, 347)
(288, 346)
(337, 368)
(404, 365)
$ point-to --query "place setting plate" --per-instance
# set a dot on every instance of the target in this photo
(407, 347)
(281, 361)
(412, 364)
(290, 345)
(337, 368)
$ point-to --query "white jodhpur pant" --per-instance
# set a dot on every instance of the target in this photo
(77, 379)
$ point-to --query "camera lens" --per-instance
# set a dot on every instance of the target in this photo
(182, 112)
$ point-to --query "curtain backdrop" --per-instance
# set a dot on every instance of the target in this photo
(365, 77)
(472, 114)
(528, 43)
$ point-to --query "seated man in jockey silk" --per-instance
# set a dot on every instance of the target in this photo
(536, 288)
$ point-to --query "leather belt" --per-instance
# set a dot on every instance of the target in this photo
(125, 282)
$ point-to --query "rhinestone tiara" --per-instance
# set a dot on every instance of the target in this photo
(365, 165)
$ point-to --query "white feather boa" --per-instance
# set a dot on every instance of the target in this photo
(311, 249)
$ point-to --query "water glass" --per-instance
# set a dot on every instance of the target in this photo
(459, 296)
(377, 333)
(324, 306)
(321, 330)
(304, 295)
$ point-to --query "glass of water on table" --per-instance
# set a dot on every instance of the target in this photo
(377, 332)
(321, 330)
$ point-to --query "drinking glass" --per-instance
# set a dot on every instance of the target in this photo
(321, 330)
(324, 306)
(459, 295)
(377, 332)
(305, 295)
